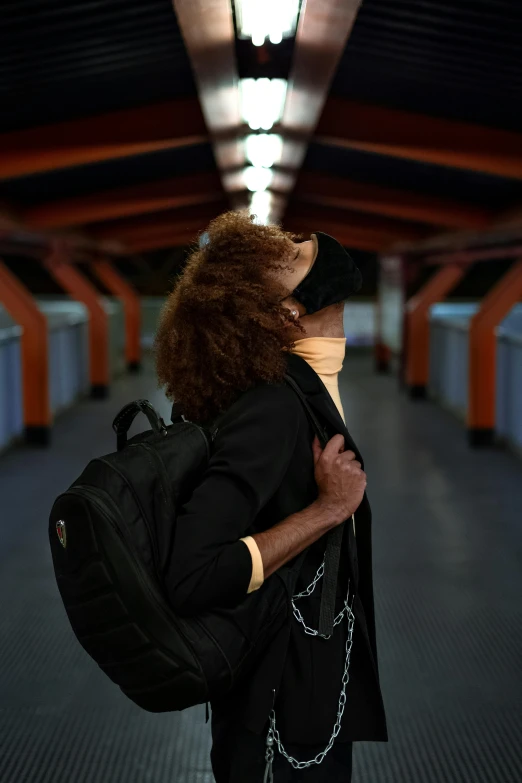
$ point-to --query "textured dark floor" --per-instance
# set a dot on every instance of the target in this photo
(448, 546)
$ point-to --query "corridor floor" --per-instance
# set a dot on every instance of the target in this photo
(448, 554)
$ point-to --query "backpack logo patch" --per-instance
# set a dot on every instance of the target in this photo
(61, 532)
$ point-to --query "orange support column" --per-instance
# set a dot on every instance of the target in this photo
(35, 356)
(81, 289)
(417, 332)
(118, 286)
(483, 354)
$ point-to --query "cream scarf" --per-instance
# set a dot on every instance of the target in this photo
(325, 355)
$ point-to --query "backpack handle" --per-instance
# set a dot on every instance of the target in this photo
(123, 421)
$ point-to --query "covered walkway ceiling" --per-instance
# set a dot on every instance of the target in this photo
(121, 120)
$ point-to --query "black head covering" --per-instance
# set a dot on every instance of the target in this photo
(333, 277)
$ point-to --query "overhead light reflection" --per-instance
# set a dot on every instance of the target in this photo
(264, 149)
(261, 205)
(262, 19)
(262, 102)
(258, 178)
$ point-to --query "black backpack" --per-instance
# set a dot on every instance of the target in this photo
(107, 534)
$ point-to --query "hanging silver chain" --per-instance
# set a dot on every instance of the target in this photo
(308, 592)
(273, 733)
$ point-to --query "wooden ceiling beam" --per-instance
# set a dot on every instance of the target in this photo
(322, 34)
(417, 137)
(208, 31)
(151, 197)
(328, 191)
(119, 134)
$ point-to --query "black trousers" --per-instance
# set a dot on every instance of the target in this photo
(238, 756)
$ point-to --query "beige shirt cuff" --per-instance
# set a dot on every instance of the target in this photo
(258, 572)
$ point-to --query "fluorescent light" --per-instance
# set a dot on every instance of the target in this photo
(261, 205)
(257, 178)
(262, 101)
(261, 199)
(263, 149)
(262, 19)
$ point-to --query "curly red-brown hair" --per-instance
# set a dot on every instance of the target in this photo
(223, 328)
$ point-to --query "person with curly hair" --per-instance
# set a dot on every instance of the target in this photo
(255, 312)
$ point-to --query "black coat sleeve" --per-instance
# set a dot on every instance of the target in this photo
(209, 565)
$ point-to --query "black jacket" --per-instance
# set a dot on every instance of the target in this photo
(260, 472)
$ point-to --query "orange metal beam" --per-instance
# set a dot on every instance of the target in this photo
(366, 232)
(152, 197)
(483, 352)
(118, 134)
(150, 232)
(418, 328)
(119, 287)
(328, 191)
(177, 220)
(352, 218)
(209, 36)
(457, 247)
(510, 219)
(475, 255)
(67, 275)
(356, 238)
(417, 137)
(35, 356)
(168, 227)
(180, 123)
(163, 240)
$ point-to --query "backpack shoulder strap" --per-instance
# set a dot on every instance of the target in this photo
(319, 429)
(176, 415)
(332, 554)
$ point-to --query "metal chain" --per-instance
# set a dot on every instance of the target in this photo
(305, 594)
(311, 587)
(273, 733)
(312, 631)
